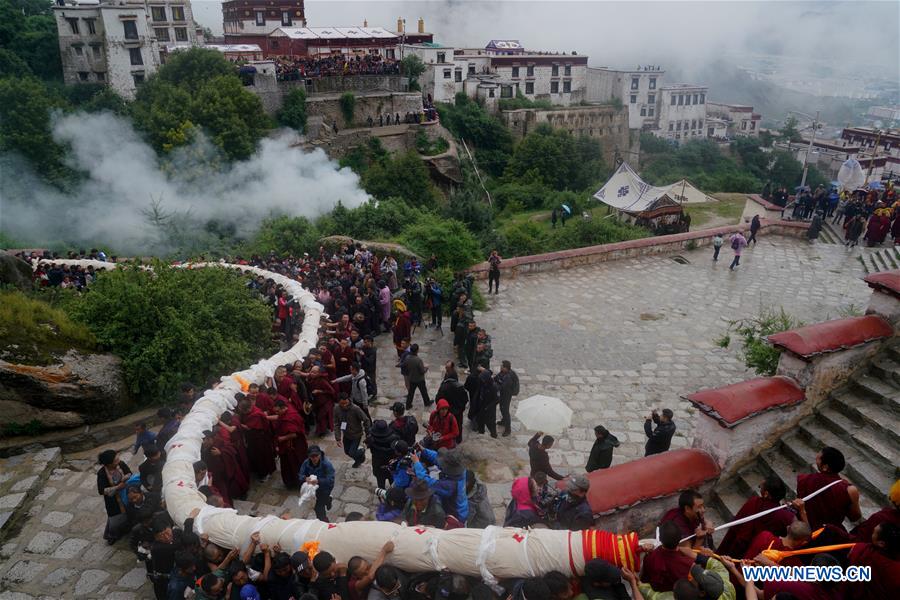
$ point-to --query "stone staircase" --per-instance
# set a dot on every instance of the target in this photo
(881, 259)
(860, 418)
(21, 480)
(831, 234)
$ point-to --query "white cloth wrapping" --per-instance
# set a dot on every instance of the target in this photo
(499, 553)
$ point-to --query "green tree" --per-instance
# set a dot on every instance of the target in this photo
(557, 159)
(192, 69)
(448, 239)
(348, 107)
(28, 30)
(293, 111)
(491, 140)
(412, 68)
(404, 176)
(25, 109)
(789, 130)
(173, 325)
(284, 235)
(11, 65)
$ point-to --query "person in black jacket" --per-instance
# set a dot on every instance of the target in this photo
(489, 397)
(380, 441)
(455, 394)
(508, 383)
(659, 439)
(602, 450)
(111, 480)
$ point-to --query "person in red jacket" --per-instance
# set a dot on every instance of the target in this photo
(443, 423)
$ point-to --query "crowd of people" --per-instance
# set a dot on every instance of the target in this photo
(423, 479)
(307, 67)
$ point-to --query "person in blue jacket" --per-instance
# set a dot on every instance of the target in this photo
(450, 486)
(316, 464)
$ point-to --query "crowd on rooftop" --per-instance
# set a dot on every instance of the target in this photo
(299, 68)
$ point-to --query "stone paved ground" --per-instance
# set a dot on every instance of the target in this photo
(612, 341)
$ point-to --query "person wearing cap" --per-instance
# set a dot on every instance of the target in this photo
(442, 426)
(450, 486)
(316, 464)
(423, 508)
(112, 477)
(351, 424)
(404, 426)
(573, 511)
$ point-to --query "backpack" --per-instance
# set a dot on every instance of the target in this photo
(371, 388)
(735, 243)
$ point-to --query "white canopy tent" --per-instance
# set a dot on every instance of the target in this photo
(627, 192)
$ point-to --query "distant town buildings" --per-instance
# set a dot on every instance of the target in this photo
(877, 150)
(738, 119)
(120, 44)
(888, 115)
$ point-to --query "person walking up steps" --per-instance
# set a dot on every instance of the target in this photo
(738, 243)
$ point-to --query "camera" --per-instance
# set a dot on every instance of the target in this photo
(381, 494)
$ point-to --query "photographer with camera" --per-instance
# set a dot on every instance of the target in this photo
(400, 466)
(450, 486)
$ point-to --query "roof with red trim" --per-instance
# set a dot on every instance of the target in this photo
(735, 403)
(886, 281)
(650, 477)
(832, 336)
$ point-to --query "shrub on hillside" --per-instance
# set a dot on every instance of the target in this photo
(172, 325)
(32, 329)
(449, 239)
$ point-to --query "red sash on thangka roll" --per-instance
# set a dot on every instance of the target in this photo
(621, 550)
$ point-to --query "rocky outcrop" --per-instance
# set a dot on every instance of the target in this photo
(14, 271)
(77, 389)
(334, 242)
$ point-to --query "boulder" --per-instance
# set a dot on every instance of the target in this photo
(77, 388)
(14, 271)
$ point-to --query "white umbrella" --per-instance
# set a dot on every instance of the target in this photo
(544, 413)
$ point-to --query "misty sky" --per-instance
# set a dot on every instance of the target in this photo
(682, 35)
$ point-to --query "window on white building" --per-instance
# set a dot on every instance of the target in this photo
(178, 13)
(91, 26)
(162, 33)
(674, 98)
(448, 73)
(73, 25)
(671, 126)
(82, 75)
(554, 87)
(78, 50)
(554, 71)
(700, 124)
(753, 126)
(458, 74)
(567, 87)
(138, 78)
(260, 18)
(471, 69)
(696, 98)
(635, 83)
(643, 111)
(632, 99)
(744, 125)
(442, 57)
(181, 34)
(567, 70)
(650, 111)
(651, 98)
(702, 98)
(130, 27)
(158, 13)
(687, 100)
(678, 126)
(653, 83)
(680, 99)
(693, 123)
(506, 91)
(286, 17)
(529, 87)
(491, 93)
(135, 55)
(96, 51)
(529, 71)
(515, 72)
(101, 76)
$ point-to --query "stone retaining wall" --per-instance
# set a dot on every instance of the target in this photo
(664, 244)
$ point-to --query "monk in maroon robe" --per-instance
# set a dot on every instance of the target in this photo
(221, 460)
(287, 387)
(690, 518)
(258, 435)
(344, 357)
(798, 536)
(229, 431)
(737, 538)
(891, 514)
(265, 401)
(323, 398)
(839, 502)
(667, 563)
(882, 554)
(290, 437)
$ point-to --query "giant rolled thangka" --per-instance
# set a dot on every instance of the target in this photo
(493, 553)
